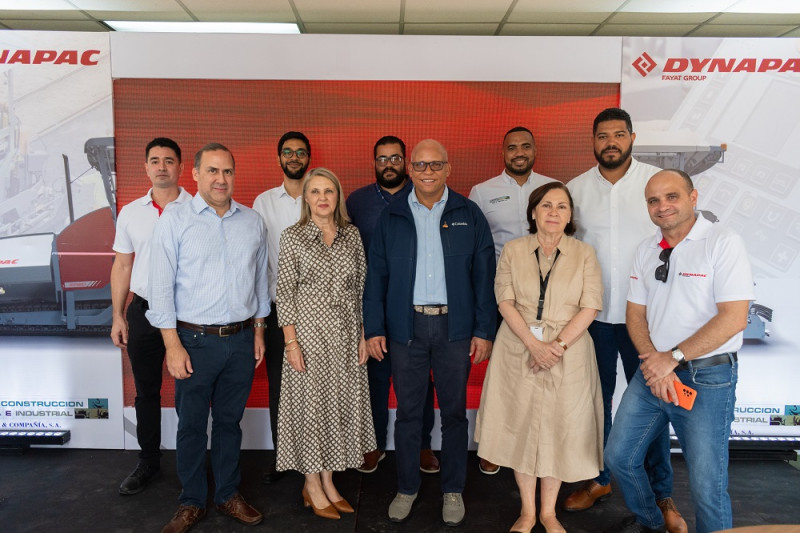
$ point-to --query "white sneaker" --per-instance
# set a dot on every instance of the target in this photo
(453, 509)
(400, 507)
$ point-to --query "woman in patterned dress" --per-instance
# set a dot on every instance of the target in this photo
(324, 422)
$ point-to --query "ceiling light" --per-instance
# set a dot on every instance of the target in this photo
(202, 27)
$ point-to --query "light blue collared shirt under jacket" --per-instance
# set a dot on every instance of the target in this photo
(429, 283)
(206, 269)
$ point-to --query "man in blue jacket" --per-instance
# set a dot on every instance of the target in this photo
(430, 292)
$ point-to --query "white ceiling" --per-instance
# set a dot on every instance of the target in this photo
(679, 18)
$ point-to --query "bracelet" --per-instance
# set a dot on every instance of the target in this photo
(290, 341)
(291, 349)
(259, 324)
(561, 343)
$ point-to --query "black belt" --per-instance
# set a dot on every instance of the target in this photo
(138, 300)
(223, 331)
(714, 360)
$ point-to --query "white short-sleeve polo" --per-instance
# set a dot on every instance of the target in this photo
(135, 224)
(505, 204)
(709, 266)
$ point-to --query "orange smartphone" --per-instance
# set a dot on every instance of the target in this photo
(686, 395)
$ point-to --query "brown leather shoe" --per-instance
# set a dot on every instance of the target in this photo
(329, 512)
(343, 506)
(584, 497)
(185, 517)
(488, 468)
(428, 462)
(672, 517)
(371, 460)
(241, 511)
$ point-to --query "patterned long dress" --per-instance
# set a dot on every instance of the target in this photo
(324, 420)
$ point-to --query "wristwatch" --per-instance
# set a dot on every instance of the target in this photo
(677, 354)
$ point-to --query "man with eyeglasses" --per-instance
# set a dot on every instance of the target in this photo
(429, 299)
(610, 215)
(690, 290)
(280, 208)
(364, 206)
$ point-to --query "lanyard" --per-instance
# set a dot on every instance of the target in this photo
(543, 283)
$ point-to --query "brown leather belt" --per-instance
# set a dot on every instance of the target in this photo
(223, 331)
(431, 310)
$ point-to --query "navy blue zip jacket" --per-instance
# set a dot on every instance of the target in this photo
(469, 267)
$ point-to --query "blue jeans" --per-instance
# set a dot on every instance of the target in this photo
(610, 339)
(380, 376)
(703, 433)
(411, 368)
(222, 377)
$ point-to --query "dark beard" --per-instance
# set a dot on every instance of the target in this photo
(296, 175)
(614, 164)
(390, 183)
(514, 172)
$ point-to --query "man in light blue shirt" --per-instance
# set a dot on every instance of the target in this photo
(429, 299)
(208, 295)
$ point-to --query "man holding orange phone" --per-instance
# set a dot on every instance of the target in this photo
(690, 289)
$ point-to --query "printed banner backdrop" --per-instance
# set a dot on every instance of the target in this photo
(248, 105)
(691, 94)
(57, 200)
(57, 210)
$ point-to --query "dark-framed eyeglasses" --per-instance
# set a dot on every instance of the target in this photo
(663, 270)
(301, 153)
(420, 166)
(382, 160)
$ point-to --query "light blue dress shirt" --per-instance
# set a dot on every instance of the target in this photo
(429, 283)
(206, 269)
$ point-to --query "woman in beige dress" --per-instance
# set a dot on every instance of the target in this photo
(325, 421)
(541, 410)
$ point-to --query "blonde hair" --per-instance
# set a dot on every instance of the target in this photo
(340, 215)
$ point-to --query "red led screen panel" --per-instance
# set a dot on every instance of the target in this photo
(342, 120)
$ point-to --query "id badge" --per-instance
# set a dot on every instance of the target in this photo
(538, 332)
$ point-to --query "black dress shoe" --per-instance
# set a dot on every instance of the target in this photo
(272, 475)
(630, 525)
(138, 480)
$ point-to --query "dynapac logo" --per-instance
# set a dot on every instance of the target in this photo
(644, 64)
(49, 57)
(9, 261)
(688, 68)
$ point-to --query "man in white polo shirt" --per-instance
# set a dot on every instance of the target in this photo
(504, 201)
(690, 290)
(610, 215)
(504, 198)
(129, 272)
(280, 208)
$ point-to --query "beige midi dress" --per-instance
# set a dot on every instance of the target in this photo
(548, 423)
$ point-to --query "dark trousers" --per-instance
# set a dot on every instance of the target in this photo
(610, 339)
(222, 377)
(146, 353)
(380, 381)
(411, 367)
(274, 365)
